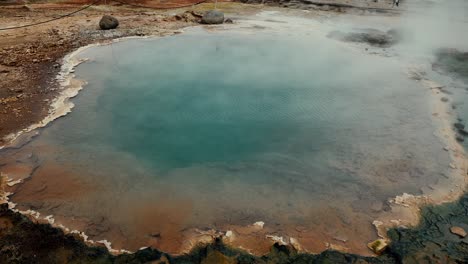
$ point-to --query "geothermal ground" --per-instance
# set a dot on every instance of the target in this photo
(31, 96)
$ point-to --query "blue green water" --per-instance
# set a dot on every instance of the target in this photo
(236, 128)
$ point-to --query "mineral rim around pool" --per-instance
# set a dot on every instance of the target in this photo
(174, 137)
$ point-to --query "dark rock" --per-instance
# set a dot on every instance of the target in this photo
(213, 17)
(444, 99)
(370, 36)
(459, 138)
(463, 132)
(453, 62)
(228, 21)
(444, 91)
(459, 125)
(108, 22)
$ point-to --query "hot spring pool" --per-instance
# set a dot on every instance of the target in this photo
(175, 136)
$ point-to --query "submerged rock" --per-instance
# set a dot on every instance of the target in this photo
(452, 61)
(458, 231)
(459, 125)
(463, 132)
(108, 22)
(213, 17)
(372, 37)
(461, 129)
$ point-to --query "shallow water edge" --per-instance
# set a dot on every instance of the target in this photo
(430, 241)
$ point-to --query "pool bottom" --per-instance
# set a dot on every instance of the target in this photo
(103, 211)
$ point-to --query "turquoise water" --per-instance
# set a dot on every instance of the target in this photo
(207, 130)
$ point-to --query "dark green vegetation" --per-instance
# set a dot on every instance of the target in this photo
(22, 241)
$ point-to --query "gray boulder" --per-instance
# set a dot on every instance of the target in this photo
(108, 22)
(213, 17)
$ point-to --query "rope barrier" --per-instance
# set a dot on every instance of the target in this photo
(53, 19)
(167, 7)
(94, 3)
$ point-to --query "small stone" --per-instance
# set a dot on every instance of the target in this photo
(341, 238)
(452, 166)
(228, 21)
(446, 148)
(458, 231)
(378, 246)
(444, 99)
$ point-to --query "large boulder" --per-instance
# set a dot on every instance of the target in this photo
(108, 22)
(213, 17)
